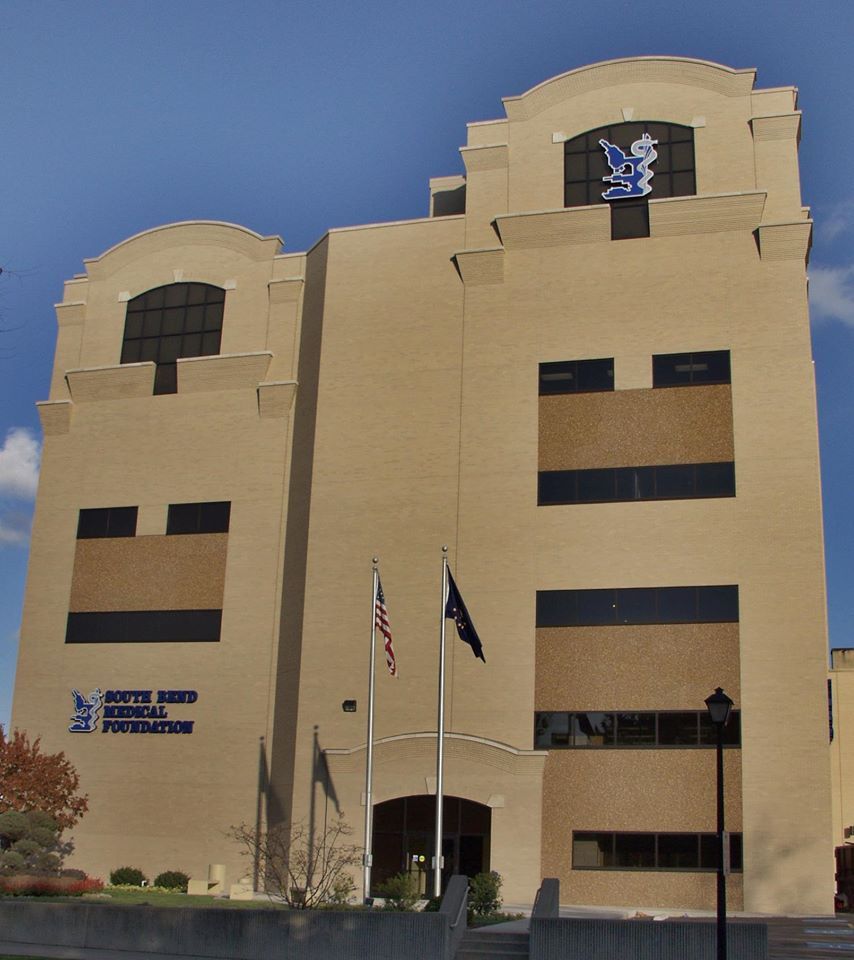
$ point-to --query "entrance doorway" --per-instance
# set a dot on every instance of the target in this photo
(404, 834)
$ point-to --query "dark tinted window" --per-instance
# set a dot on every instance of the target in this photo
(585, 163)
(629, 219)
(107, 522)
(576, 376)
(569, 608)
(144, 626)
(690, 369)
(560, 730)
(198, 517)
(612, 484)
(651, 851)
(179, 320)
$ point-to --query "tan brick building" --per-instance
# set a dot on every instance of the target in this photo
(604, 407)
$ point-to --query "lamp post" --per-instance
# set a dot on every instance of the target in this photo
(719, 706)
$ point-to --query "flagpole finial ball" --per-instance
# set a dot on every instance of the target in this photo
(444, 549)
(376, 560)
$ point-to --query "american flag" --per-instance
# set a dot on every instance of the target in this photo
(381, 619)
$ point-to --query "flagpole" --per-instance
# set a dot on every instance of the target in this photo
(440, 734)
(367, 857)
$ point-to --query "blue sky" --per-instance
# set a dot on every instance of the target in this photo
(293, 117)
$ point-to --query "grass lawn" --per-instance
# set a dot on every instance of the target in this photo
(157, 898)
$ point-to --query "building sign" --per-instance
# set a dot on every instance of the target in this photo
(630, 175)
(131, 711)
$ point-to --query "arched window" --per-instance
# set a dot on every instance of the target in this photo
(585, 164)
(178, 320)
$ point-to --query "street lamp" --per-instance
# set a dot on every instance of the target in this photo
(719, 706)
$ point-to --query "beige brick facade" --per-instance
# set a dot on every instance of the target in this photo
(377, 395)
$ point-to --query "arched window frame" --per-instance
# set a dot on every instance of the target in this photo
(171, 322)
(585, 164)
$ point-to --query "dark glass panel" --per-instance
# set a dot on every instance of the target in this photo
(210, 343)
(388, 816)
(594, 375)
(214, 517)
(166, 378)
(182, 518)
(662, 163)
(557, 608)
(592, 729)
(551, 730)
(196, 292)
(677, 605)
(154, 299)
(149, 349)
(576, 167)
(133, 325)
(595, 485)
(556, 486)
(718, 604)
(717, 366)
(592, 849)
(634, 850)
(596, 607)
(215, 295)
(683, 185)
(736, 845)
(151, 323)
(708, 851)
(170, 349)
(122, 521)
(715, 479)
(636, 729)
(682, 156)
(195, 319)
(575, 195)
(677, 729)
(674, 482)
(635, 483)
(636, 605)
(678, 851)
(176, 294)
(173, 322)
(130, 351)
(732, 730)
(192, 345)
(597, 167)
(659, 131)
(558, 377)
(144, 626)
(92, 523)
(671, 369)
(629, 220)
(213, 317)
(625, 134)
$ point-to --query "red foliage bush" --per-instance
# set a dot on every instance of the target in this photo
(23, 886)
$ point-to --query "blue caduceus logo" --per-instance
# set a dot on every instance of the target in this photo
(630, 174)
(85, 718)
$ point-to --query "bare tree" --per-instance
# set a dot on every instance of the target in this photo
(303, 870)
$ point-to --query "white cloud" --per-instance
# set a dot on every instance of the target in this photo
(14, 529)
(19, 464)
(832, 293)
(837, 221)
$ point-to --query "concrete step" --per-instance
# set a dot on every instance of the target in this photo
(477, 945)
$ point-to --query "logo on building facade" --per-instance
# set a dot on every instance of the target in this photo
(86, 712)
(130, 711)
(629, 174)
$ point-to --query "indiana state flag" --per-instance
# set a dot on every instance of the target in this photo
(455, 610)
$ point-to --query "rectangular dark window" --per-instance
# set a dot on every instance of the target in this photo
(651, 851)
(619, 484)
(144, 626)
(580, 608)
(577, 376)
(210, 517)
(107, 522)
(690, 369)
(629, 219)
(560, 730)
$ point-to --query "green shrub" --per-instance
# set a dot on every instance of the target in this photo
(342, 891)
(399, 892)
(127, 877)
(172, 880)
(29, 843)
(485, 894)
(433, 905)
